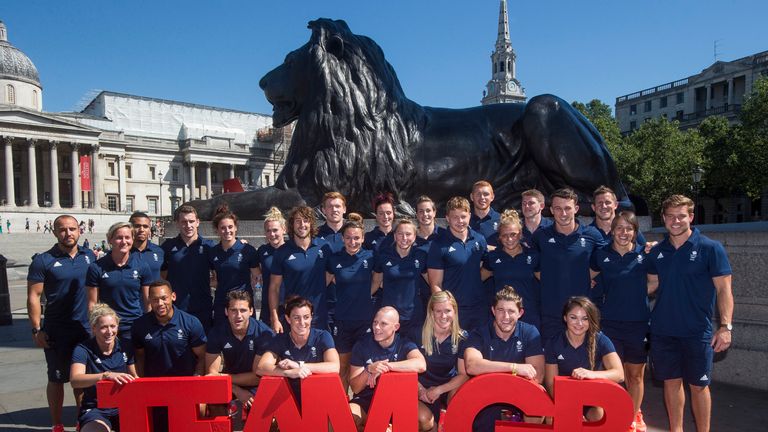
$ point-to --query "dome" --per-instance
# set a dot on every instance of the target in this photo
(14, 64)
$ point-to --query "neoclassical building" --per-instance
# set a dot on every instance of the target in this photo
(122, 152)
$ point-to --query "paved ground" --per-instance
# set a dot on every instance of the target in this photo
(22, 368)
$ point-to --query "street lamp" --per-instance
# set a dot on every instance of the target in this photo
(696, 174)
(160, 178)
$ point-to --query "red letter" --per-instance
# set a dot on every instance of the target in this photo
(572, 395)
(180, 394)
(399, 394)
(322, 397)
(484, 390)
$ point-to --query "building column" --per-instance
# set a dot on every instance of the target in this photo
(231, 171)
(95, 178)
(55, 175)
(192, 185)
(32, 173)
(9, 189)
(121, 182)
(730, 93)
(75, 164)
(247, 176)
(208, 180)
(709, 98)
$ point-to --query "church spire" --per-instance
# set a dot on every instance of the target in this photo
(503, 37)
(503, 86)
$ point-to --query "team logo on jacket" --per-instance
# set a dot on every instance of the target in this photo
(365, 263)
(528, 260)
(87, 259)
(694, 254)
(338, 265)
(640, 259)
(239, 257)
(495, 226)
(250, 345)
(583, 242)
(175, 249)
(477, 246)
(125, 357)
(180, 334)
(498, 261)
(105, 276)
(451, 249)
(313, 352)
(320, 253)
(660, 256)
(416, 263)
(154, 255)
(135, 274)
(551, 240)
(519, 346)
(200, 250)
(98, 360)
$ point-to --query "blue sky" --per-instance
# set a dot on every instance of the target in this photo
(214, 52)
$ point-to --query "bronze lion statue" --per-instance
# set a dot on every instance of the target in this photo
(357, 133)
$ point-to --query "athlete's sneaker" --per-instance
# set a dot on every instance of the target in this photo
(232, 408)
(58, 428)
(640, 423)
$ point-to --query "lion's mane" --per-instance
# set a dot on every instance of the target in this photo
(356, 127)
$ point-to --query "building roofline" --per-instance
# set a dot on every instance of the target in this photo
(169, 101)
(682, 81)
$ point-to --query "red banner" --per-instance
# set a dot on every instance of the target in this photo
(85, 173)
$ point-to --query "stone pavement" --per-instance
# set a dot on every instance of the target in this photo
(22, 369)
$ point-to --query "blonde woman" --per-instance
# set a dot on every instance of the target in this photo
(442, 341)
(102, 357)
(274, 232)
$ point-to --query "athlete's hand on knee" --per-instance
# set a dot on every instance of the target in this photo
(40, 339)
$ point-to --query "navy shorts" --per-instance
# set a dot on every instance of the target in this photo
(473, 317)
(550, 327)
(436, 406)
(347, 332)
(689, 358)
(108, 416)
(364, 402)
(629, 338)
(62, 341)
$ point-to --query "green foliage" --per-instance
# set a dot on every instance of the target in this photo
(659, 160)
(599, 114)
(753, 139)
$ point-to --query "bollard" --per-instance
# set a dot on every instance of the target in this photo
(5, 296)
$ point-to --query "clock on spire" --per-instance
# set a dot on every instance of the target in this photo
(503, 86)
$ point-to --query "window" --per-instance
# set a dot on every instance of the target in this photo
(214, 178)
(175, 174)
(152, 173)
(494, 67)
(128, 173)
(129, 200)
(663, 102)
(152, 204)
(647, 106)
(664, 115)
(680, 97)
(175, 203)
(35, 102)
(633, 109)
(266, 180)
(646, 120)
(633, 125)
(10, 93)
(111, 168)
(65, 164)
(112, 202)
(712, 92)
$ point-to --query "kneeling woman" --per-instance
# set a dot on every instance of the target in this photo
(442, 341)
(302, 351)
(100, 358)
(582, 351)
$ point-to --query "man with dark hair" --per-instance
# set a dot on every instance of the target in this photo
(168, 342)
(187, 268)
(689, 273)
(566, 248)
(59, 273)
(238, 346)
(299, 265)
(149, 252)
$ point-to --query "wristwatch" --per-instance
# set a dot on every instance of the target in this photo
(728, 326)
(35, 330)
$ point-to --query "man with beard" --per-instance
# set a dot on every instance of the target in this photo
(381, 351)
(59, 273)
(299, 265)
(565, 248)
(168, 342)
(187, 268)
(149, 252)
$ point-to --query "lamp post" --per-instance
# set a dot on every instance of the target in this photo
(160, 178)
(696, 174)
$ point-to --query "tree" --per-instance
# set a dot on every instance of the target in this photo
(754, 139)
(658, 160)
(599, 114)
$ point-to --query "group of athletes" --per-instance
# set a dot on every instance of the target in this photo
(490, 293)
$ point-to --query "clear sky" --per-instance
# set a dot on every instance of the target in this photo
(214, 52)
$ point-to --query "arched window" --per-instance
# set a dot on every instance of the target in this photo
(35, 102)
(10, 92)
